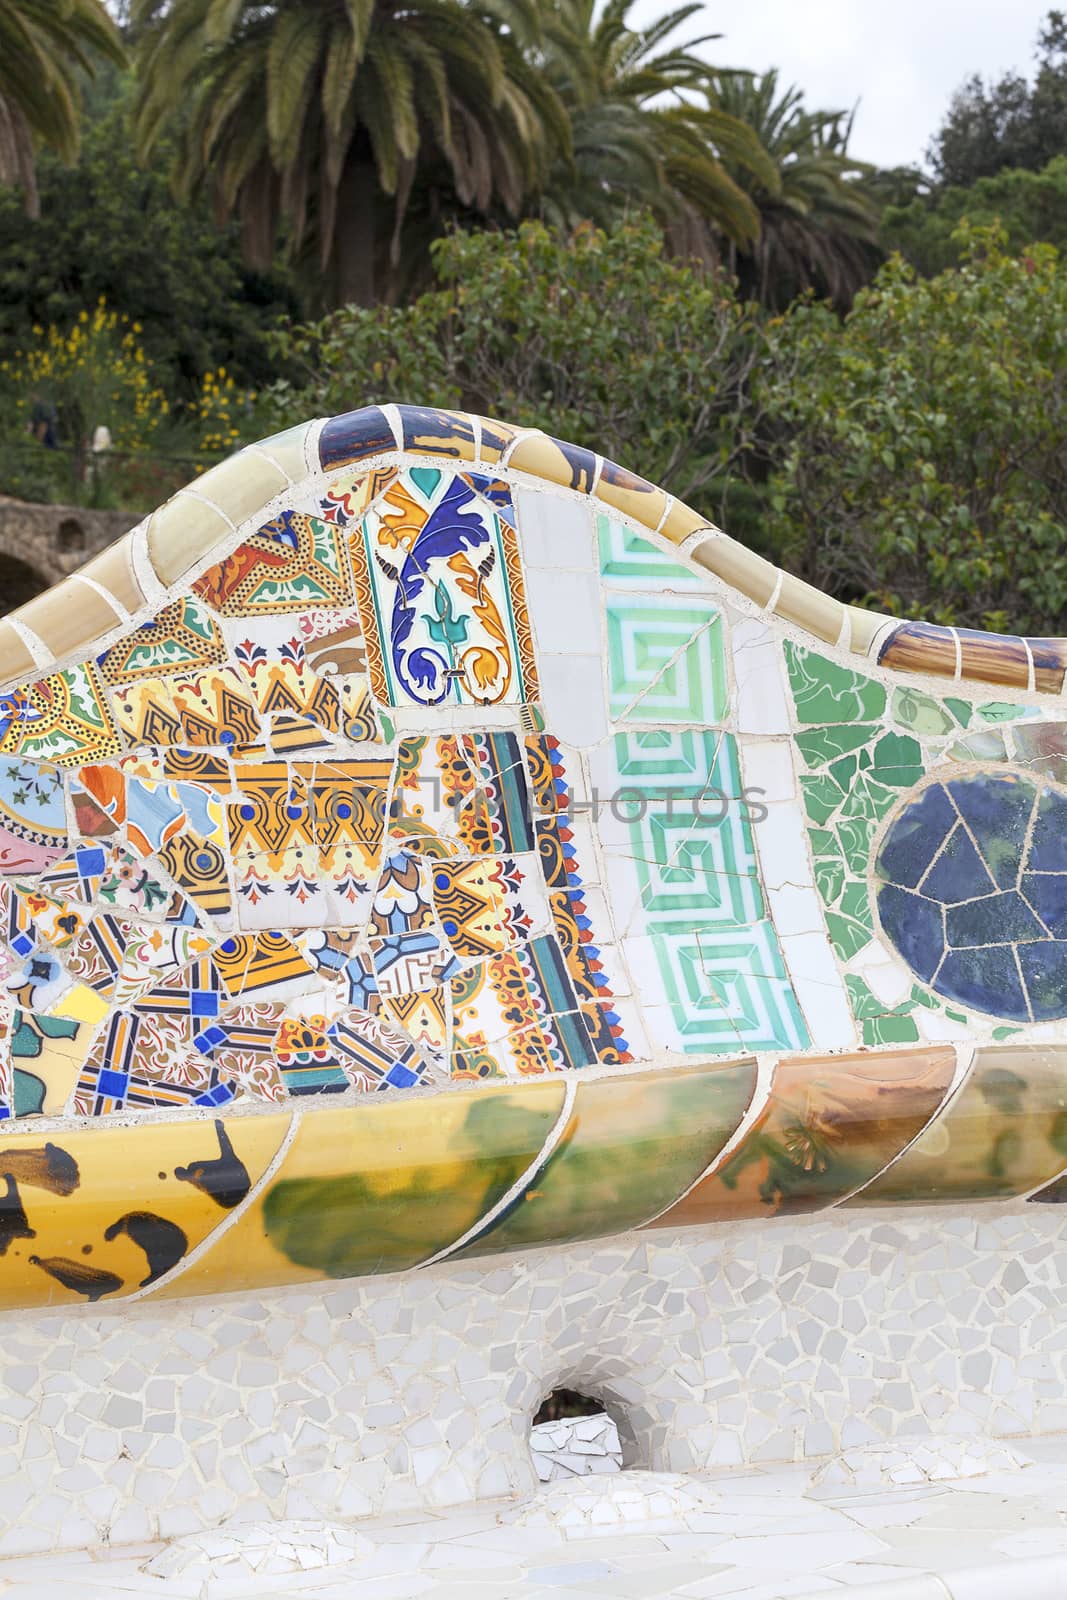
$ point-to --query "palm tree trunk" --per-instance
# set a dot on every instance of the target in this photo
(353, 248)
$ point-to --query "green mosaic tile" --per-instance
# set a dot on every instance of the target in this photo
(921, 713)
(822, 796)
(847, 935)
(891, 1028)
(897, 760)
(822, 745)
(1001, 711)
(825, 692)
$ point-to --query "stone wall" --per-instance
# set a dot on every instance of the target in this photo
(784, 1341)
(55, 540)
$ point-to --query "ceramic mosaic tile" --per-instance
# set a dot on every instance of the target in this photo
(521, 860)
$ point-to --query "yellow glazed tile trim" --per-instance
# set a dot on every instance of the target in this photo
(69, 617)
(554, 462)
(242, 485)
(16, 661)
(181, 533)
(734, 564)
(113, 570)
(288, 451)
(809, 608)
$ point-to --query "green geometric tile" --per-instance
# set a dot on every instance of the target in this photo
(699, 871)
(682, 755)
(693, 848)
(666, 661)
(626, 558)
(729, 993)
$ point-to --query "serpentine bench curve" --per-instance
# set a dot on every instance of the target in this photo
(422, 838)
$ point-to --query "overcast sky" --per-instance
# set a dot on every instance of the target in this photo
(901, 59)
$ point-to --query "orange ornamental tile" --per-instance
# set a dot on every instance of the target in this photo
(828, 1125)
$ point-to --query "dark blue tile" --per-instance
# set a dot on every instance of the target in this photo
(959, 873)
(915, 837)
(1045, 975)
(1048, 896)
(1048, 847)
(997, 811)
(915, 926)
(986, 979)
(354, 436)
(998, 919)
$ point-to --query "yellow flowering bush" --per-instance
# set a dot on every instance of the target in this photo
(222, 412)
(92, 374)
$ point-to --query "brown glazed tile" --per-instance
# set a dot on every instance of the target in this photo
(681, 521)
(1050, 663)
(829, 1124)
(920, 647)
(497, 439)
(1003, 1132)
(355, 436)
(994, 658)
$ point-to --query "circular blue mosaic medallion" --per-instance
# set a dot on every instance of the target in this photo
(972, 893)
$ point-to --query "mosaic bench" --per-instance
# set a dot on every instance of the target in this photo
(422, 839)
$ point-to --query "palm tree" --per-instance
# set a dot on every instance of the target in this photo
(818, 225)
(44, 44)
(308, 111)
(638, 137)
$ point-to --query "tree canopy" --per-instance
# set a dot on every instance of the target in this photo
(1011, 122)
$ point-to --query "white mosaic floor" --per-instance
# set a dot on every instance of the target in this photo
(760, 1535)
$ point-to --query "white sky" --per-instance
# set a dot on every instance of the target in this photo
(901, 59)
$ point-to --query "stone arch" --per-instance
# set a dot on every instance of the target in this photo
(70, 536)
(19, 582)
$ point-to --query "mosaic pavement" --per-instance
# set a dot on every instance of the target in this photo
(764, 1535)
(422, 838)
